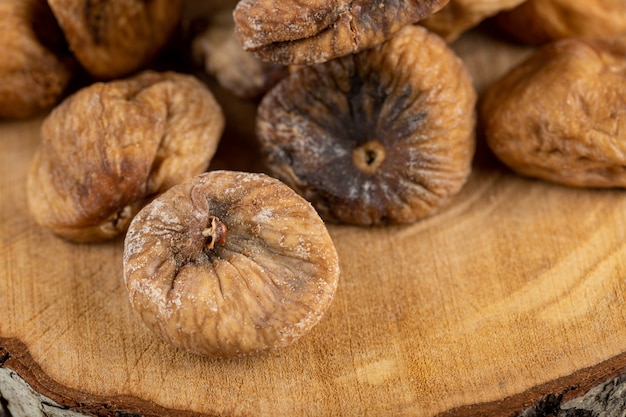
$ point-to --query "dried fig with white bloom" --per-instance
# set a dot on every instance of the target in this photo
(314, 31)
(230, 263)
(383, 136)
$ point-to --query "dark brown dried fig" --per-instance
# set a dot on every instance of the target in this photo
(383, 136)
(36, 65)
(536, 22)
(234, 69)
(115, 38)
(315, 31)
(459, 16)
(110, 147)
(230, 263)
(561, 114)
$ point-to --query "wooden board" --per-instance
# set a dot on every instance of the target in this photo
(512, 291)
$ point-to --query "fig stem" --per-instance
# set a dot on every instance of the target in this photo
(369, 156)
(215, 233)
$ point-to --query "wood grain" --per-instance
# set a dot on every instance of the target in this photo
(513, 291)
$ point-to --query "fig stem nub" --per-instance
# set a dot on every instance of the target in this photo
(215, 233)
(369, 156)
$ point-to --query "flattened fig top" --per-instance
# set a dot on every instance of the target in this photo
(307, 32)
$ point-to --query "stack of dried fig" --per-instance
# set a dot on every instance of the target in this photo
(364, 115)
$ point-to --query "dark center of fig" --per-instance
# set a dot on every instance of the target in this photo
(369, 156)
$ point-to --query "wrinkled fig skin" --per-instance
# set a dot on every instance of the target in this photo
(230, 263)
(36, 66)
(315, 31)
(561, 115)
(536, 22)
(383, 136)
(458, 16)
(114, 38)
(111, 146)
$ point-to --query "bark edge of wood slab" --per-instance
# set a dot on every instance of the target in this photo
(15, 359)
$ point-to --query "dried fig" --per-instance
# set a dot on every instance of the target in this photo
(110, 147)
(315, 31)
(383, 136)
(230, 263)
(234, 69)
(36, 64)
(114, 38)
(561, 114)
(539, 21)
(460, 15)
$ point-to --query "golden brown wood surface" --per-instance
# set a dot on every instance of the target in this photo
(514, 290)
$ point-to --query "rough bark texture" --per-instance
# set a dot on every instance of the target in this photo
(605, 400)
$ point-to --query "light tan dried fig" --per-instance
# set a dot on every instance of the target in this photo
(36, 65)
(110, 147)
(114, 38)
(230, 263)
(536, 22)
(315, 31)
(383, 136)
(561, 114)
(458, 16)
(234, 69)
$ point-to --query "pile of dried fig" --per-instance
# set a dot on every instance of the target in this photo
(364, 115)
